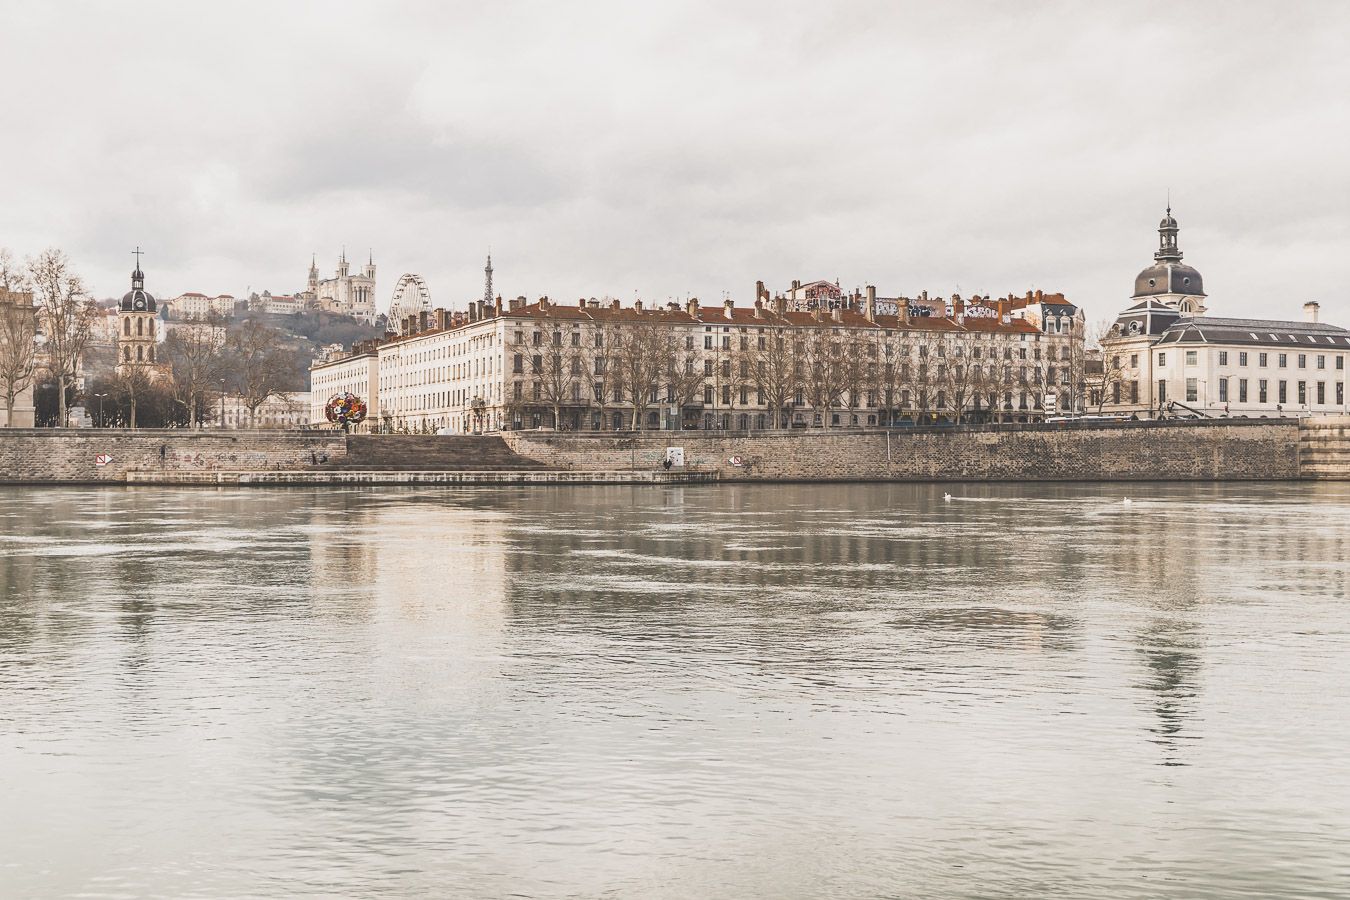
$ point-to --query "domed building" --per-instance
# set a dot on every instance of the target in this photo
(1165, 358)
(1169, 280)
(136, 329)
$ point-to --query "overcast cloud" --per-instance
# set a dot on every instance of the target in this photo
(685, 148)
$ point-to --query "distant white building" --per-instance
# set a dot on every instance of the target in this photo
(276, 304)
(290, 410)
(198, 306)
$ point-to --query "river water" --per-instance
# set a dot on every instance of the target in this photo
(723, 691)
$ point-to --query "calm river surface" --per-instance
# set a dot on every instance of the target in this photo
(736, 691)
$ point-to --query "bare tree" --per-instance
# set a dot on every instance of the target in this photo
(261, 366)
(67, 317)
(683, 373)
(857, 367)
(773, 371)
(562, 379)
(196, 353)
(18, 333)
(821, 369)
(1099, 374)
(638, 353)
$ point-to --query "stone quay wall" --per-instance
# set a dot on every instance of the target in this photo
(1135, 451)
(69, 455)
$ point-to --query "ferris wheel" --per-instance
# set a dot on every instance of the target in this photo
(410, 298)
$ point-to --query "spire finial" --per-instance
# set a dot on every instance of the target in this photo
(371, 257)
(1169, 201)
(137, 253)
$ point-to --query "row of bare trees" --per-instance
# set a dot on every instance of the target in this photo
(639, 364)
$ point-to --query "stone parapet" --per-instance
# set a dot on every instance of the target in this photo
(71, 455)
(1152, 451)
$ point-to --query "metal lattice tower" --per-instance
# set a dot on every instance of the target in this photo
(487, 281)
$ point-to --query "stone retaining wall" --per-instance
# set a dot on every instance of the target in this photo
(1240, 450)
(68, 455)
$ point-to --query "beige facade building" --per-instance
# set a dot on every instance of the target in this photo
(289, 410)
(601, 366)
(194, 306)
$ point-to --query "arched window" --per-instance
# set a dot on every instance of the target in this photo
(152, 354)
(126, 327)
(140, 327)
(140, 354)
(126, 354)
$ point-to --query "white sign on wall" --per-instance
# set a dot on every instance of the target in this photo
(675, 456)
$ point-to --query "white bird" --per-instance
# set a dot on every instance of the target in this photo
(1127, 501)
(947, 497)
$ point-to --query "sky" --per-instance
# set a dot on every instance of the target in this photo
(685, 149)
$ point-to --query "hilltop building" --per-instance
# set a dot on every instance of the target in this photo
(1164, 355)
(346, 293)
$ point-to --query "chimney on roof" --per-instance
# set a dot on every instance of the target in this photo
(795, 285)
(902, 308)
(592, 303)
(581, 303)
(924, 296)
(543, 304)
(1029, 296)
(691, 307)
(726, 308)
(815, 312)
(760, 293)
(614, 304)
(1310, 310)
(871, 310)
(1039, 296)
(779, 305)
(759, 308)
(837, 314)
(637, 304)
(423, 321)
(1003, 317)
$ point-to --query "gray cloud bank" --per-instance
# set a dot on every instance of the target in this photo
(686, 148)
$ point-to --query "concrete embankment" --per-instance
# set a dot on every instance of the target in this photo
(1138, 451)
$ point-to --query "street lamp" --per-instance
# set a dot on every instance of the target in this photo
(222, 404)
(100, 397)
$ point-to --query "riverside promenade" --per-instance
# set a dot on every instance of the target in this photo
(1178, 450)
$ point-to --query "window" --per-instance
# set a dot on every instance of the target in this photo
(1134, 392)
(1284, 392)
(1340, 393)
(1242, 358)
(1302, 393)
(707, 367)
(1192, 393)
(1321, 361)
(1263, 359)
(1223, 357)
(689, 342)
(707, 342)
(538, 339)
(1162, 360)
(1321, 392)
(1263, 392)
(1340, 362)
(708, 395)
(1115, 392)
(1134, 360)
(1191, 357)
(576, 339)
(1223, 390)
(1303, 360)
(518, 364)
(1283, 360)
(1162, 392)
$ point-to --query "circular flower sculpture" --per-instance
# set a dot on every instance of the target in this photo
(345, 410)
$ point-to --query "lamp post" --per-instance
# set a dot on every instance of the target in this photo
(222, 404)
(100, 397)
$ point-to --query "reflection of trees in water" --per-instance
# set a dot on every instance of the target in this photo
(1170, 649)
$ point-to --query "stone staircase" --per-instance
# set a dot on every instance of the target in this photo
(1324, 447)
(430, 453)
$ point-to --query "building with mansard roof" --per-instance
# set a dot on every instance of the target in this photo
(1165, 356)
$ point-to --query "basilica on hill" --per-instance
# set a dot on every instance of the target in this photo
(1166, 356)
